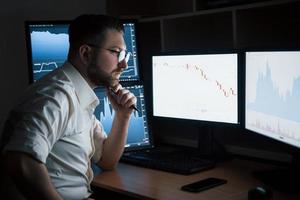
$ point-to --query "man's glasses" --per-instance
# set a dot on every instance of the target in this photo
(123, 54)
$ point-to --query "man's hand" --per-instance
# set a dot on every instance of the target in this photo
(122, 100)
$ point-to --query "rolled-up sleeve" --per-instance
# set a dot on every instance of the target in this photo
(38, 125)
(99, 137)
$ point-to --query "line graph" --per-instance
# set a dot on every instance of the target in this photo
(41, 69)
(203, 74)
(44, 67)
(200, 87)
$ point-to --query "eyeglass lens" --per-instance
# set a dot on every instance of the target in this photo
(124, 55)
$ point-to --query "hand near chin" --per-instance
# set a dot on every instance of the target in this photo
(122, 100)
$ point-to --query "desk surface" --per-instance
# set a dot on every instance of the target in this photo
(153, 184)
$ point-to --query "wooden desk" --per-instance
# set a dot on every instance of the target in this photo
(153, 184)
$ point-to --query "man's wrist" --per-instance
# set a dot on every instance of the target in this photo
(123, 115)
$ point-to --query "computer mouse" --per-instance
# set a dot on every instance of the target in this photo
(260, 193)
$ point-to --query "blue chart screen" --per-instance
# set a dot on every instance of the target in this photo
(138, 134)
(50, 46)
(273, 95)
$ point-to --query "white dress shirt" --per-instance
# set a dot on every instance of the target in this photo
(54, 123)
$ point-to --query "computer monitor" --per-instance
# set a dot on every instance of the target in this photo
(139, 135)
(272, 96)
(48, 45)
(199, 87)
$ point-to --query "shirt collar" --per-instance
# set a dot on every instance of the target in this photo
(86, 96)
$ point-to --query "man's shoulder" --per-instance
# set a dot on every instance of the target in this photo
(56, 81)
(53, 88)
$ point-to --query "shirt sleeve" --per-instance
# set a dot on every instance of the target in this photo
(99, 137)
(38, 124)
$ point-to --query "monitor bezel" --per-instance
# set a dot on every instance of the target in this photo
(196, 122)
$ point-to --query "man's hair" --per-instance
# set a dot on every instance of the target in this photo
(91, 29)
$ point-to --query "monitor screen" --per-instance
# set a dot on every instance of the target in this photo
(196, 87)
(139, 135)
(48, 46)
(272, 95)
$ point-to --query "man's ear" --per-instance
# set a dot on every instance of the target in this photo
(85, 53)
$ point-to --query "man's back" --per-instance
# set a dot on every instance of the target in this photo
(56, 128)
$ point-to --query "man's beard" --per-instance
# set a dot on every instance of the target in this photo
(100, 77)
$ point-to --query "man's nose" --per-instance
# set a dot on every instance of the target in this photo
(122, 64)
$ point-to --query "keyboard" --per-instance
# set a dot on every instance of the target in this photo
(175, 162)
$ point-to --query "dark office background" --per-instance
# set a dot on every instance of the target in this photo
(275, 26)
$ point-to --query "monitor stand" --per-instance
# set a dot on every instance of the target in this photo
(208, 146)
(284, 179)
(205, 141)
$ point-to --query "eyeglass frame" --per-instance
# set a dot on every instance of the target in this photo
(123, 54)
